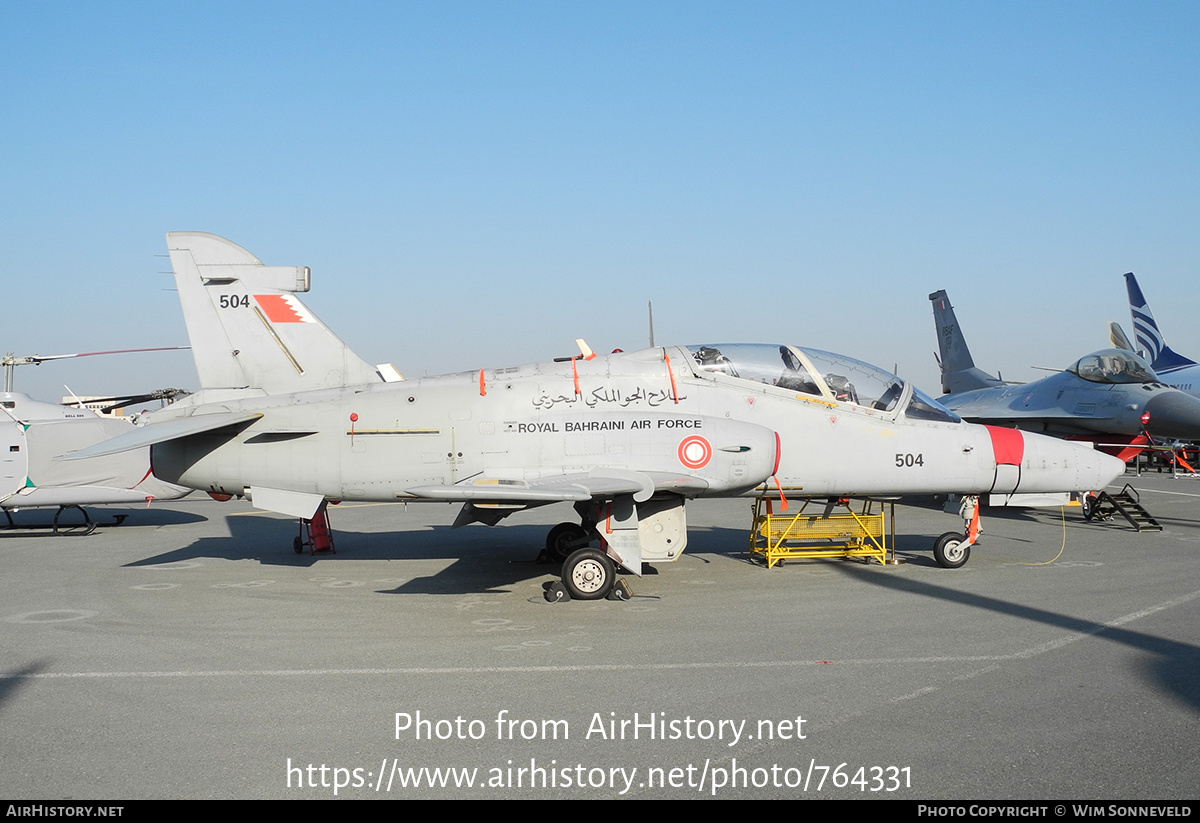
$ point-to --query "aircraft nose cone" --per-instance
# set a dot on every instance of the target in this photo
(1101, 469)
(1052, 465)
(1175, 415)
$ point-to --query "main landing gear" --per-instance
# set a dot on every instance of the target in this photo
(564, 539)
(587, 573)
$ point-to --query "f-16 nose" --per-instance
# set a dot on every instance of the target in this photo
(1174, 414)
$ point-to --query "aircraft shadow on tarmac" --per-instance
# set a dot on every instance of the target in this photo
(40, 522)
(493, 559)
(1075, 519)
(12, 682)
(485, 559)
(1172, 670)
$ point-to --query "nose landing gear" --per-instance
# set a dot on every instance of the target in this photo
(953, 549)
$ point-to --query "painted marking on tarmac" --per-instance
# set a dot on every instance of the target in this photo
(1024, 654)
(978, 672)
(51, 616)
(1164, 491)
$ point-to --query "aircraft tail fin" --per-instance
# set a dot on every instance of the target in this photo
(246, 325)
(958, 368)
(1118, 338)
(1150, 341)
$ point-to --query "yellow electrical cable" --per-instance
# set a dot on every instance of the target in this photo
(1063, 511)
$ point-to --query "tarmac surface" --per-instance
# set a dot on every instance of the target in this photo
(190, 653)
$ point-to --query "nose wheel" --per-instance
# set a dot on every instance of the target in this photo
(951, 550)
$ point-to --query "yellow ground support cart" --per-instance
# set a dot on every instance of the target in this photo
(800, 531)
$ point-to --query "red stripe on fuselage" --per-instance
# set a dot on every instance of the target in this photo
(1008, 445)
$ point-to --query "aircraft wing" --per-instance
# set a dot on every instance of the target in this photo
(145, 436)
(599, 482)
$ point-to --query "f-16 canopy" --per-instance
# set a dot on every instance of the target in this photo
(1114, 366)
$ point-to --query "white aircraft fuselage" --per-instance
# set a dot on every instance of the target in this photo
(290, 417)
(621, 412)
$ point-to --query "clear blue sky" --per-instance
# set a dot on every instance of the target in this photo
(477, 184)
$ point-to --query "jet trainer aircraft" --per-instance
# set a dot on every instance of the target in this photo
(1111, 397)
(1175, 369)
(291, 418)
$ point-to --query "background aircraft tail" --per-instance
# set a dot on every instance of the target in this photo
(1149, 339)
(246, 325)
(1118, 338)
(958, 369)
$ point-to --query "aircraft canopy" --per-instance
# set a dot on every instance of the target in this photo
(1114, 366)
(820, 374)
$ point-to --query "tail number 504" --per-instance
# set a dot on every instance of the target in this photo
(234, 301)
(907, 461)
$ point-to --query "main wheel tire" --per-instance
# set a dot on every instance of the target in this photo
(951, 550)
(564, 539)
(588, 574)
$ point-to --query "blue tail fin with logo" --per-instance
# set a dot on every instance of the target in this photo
(1150, 341)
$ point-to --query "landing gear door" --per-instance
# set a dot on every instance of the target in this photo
(654, 530)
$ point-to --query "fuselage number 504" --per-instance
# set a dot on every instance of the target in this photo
(907, 461)
(235, 301)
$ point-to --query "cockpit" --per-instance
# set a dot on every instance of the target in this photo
(1114, 366)
(820, 375)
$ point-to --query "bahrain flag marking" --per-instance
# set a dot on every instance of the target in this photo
(283, 308)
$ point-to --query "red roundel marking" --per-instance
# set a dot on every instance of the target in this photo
(695, 452)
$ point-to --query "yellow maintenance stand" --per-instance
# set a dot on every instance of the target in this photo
(797, 532)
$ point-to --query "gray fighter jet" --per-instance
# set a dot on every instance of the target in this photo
(291, 418)
(1111, 397)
